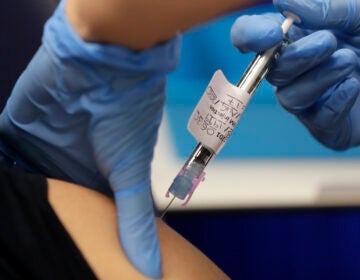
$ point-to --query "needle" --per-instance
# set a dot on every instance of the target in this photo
(167, 207)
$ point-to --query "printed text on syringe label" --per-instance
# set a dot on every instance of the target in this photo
(217, 112)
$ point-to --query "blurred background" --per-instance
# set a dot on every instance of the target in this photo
(275, 204)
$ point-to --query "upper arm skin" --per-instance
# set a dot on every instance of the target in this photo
(141, 24)
(90, 219)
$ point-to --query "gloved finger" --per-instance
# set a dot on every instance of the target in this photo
(324, 14)
(137, 229)
(345, 41)
(301, 56)
(308, 88)
(256, 33)
(328, 119)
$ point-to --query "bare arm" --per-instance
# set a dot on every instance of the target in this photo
(140, 24)
(90, 219)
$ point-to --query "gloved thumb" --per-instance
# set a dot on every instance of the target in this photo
(256, 33)
(324, 14)
(137, 229)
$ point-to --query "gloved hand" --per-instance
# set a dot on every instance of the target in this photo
(80, 108)
(317, 76)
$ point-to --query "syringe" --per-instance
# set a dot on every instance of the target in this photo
(216, 111)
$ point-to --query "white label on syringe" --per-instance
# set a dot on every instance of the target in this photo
(217, 112)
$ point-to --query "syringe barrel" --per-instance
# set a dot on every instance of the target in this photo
(201, 154)
(192, 172)
(257, 71)
(260, 65)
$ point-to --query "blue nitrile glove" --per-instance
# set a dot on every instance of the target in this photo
(82, 107)
(317, 76)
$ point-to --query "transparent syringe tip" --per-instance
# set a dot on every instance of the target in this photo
(187, 180)
(191, 174)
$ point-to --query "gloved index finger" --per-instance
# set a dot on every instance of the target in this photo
(324, 14)
(137, 229)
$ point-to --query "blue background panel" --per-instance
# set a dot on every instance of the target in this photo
(265, 130)
(302, 244)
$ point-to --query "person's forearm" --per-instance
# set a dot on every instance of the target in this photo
(140, 24)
